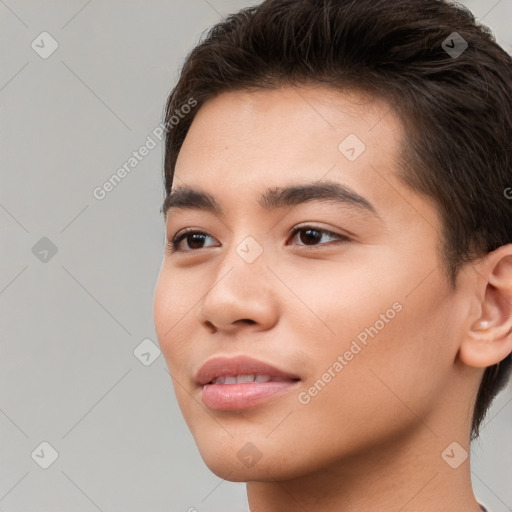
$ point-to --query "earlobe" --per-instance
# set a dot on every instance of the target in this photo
(489, 339)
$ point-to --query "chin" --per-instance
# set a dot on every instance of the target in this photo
(241, 461)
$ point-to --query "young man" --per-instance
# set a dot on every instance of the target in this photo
(335, 302)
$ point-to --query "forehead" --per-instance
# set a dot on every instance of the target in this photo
(304, 131)
(241, 143)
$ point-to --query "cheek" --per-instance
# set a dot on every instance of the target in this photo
(172, 309)
(380, 390)
(394, 344)
(171, 313)
(163, 307)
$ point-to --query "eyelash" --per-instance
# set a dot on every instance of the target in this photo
(178, 238)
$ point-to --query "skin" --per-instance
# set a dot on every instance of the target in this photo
(372, 439)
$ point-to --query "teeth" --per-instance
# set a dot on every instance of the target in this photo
(244, 378)
(262, 378)
(230, 379)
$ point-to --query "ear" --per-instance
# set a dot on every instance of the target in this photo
(489, 339)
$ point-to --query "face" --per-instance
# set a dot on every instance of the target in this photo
(339, 287)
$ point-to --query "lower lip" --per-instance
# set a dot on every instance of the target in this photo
(228, 397)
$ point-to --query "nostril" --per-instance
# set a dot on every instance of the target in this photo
(210, 326)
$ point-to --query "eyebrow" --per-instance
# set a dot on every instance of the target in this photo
(185, 197)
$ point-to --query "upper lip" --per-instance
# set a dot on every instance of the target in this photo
(240, 365)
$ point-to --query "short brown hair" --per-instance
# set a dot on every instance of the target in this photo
(456, 109)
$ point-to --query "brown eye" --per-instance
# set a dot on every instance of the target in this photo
(194, 240)
(309, 235)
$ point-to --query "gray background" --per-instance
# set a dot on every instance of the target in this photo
(70, 371)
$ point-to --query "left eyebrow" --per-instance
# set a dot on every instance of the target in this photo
(273, 198)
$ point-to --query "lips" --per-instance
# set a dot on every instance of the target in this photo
(241, 382)
(224, 368)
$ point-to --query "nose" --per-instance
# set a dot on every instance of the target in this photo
(242, 295)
